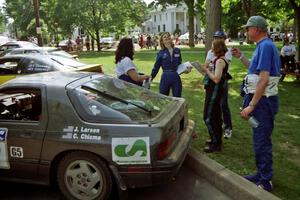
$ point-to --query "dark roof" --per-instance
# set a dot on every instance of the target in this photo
(54, 78)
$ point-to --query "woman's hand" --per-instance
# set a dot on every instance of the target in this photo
(204, 68)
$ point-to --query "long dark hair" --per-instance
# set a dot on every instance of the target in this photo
(125, 49)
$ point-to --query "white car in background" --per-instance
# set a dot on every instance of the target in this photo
(107, 42)
(42, 50)
(184, 39)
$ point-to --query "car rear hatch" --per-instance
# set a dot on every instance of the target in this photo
(177, 125)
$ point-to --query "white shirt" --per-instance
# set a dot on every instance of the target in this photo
(123, 66)
(210, 57)
(288, 50)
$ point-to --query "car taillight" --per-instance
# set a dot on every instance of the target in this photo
(165, 146)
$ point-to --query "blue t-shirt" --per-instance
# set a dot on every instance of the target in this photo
(265, 58)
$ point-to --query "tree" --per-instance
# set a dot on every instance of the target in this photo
(95, 17)
(2, 23)
(191, 13)
(213, 20)
(21, 11)
(296, 6)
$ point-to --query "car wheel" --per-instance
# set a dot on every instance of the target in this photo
(84, 176)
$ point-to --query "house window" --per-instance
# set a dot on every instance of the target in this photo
(154, 18)
(177, 26)
(164, 28)
(158, 28)
(159, 17)
(166, 16)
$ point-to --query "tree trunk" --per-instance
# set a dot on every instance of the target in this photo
(213, 21)
(297, 17)
(250, 11)
(98, 40)
(191, 13)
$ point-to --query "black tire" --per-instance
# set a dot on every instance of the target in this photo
(84, 176)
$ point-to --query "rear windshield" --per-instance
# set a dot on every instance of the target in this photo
(107, 99)
(67, 61)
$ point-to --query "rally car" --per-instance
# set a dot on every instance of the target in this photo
(86, 131)
(12, 66)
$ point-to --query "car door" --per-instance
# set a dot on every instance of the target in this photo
(23, 121)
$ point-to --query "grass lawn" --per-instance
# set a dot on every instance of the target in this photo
(237, 154)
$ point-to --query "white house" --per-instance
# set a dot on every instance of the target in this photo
(169, 20)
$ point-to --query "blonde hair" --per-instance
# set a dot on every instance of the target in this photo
(161, 43)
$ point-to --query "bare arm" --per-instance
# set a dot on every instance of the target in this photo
(216, 77)
(259, 92)
(136, 77)
(238, 54)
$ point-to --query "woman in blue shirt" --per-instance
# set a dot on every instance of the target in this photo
(168, 58)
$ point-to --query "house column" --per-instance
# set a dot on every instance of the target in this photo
(184, 23)
(173, 21)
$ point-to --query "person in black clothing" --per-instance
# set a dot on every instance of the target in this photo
(214, 87)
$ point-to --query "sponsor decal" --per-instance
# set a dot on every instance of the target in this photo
(131, 150)
(16, 152)
(4, 164)
(81, 133)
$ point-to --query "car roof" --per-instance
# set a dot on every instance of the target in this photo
(8, 56)
(35, 48)
(21, 43)
(55, 78)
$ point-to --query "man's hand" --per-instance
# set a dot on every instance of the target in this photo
(236, 52)
(246, 111)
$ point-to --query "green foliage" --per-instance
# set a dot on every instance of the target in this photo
(2, 23)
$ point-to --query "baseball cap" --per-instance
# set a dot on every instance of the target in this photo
(256, 21)
(220, 34)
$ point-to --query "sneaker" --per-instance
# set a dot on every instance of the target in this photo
(208, 142)
(266, 185)
(227, 133)
(253, 178)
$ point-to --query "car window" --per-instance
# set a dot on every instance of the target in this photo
(67, 61)
(137, 103)
(8, 66)
(15, 51)
(35, 66)
(8, 47)
(31, 51)
(20, 104)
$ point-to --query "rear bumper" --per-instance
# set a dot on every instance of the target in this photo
(161, 171)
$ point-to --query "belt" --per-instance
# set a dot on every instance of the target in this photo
(169, 70)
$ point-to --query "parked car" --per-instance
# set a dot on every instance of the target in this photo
(184, 39)
(107, 42)
(4, 39)
(22, 64)
(7, 47)
(64, 45)
(86, 131)
(275, 36)
(42, 50)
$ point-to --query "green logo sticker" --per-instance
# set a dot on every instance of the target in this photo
(131, 150)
